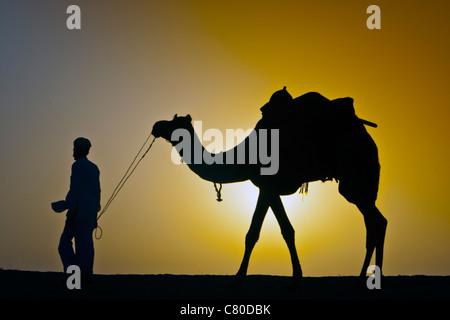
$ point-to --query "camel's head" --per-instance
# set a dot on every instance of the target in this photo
(165, 128)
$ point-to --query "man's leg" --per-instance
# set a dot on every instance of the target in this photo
(84, 246)
(65, 247)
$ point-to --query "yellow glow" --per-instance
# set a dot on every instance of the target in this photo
(134, 64)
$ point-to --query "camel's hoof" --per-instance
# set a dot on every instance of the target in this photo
(295, 285)
(236, 284)
(359, 285)
(233, 286)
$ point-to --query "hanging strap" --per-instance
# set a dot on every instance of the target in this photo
(218, 191)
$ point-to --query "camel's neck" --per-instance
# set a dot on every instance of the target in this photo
(220, 167)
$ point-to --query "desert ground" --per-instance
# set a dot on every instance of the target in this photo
(32, 285)
(209, 296)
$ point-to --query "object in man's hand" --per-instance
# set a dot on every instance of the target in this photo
(59, 206)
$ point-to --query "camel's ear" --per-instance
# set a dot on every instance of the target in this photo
(175, 116)
(189, 117)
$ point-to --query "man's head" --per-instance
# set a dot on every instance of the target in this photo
(81, 147)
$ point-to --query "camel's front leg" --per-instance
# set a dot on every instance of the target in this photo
(252, 237)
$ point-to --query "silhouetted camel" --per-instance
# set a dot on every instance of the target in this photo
(319, 139)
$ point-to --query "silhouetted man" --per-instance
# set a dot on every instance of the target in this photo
(83, 203)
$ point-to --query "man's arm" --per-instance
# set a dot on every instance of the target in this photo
(75, 187)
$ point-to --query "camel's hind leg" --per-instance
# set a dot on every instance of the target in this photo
(289, 236)
(376, 225)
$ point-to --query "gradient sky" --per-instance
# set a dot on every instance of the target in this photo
(136, 62)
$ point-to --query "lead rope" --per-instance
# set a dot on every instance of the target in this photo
(121, 183)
